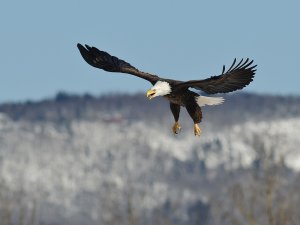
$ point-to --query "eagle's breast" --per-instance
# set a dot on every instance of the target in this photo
(181, 98)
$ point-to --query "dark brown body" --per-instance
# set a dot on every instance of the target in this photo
(186, 99)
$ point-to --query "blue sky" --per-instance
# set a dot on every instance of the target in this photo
(178, 39)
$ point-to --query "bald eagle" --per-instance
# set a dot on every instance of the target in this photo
(177, 92)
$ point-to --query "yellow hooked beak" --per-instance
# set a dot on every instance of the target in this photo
(150, 94)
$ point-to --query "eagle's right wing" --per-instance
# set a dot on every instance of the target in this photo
(105, 61)
(236, 77)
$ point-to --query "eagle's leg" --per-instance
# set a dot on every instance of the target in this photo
(195, 112)
(175, 111)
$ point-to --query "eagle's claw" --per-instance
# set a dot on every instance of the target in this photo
(176, 128)
(197, 130)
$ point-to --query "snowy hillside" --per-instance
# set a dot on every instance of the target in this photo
(85, 171)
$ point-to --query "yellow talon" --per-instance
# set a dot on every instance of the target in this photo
(176, 128)
(197, 130)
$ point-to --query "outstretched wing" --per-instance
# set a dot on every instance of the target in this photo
(236, 77)
(105, 61)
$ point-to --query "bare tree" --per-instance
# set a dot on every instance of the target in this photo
(268, 193)
(15, 207)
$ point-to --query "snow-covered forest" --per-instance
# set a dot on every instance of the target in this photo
(113, 159)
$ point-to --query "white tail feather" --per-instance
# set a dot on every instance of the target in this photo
(203, 100)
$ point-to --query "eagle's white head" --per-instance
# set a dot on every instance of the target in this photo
(160, 88)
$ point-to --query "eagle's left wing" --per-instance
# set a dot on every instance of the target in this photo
(107, 62)
(236, 77)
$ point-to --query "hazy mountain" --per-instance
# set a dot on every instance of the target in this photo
(113, 160)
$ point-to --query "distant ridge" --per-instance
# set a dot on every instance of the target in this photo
(81, 156)
(66, 107)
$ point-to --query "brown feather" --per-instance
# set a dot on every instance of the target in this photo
(235, 78)
(107, 62)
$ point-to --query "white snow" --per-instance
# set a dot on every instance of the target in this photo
(58, 165)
